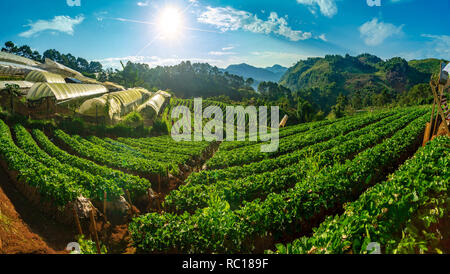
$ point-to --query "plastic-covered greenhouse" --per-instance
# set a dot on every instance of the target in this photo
(22, 84)
(55, 67)
(63, 91)
(8, 57)
(116, 104)
(44, 76)
(152, 107)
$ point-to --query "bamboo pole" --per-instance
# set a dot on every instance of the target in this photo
(440, 111)
(94, 228)
(77, 220)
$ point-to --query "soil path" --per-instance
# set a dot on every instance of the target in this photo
(23, 229)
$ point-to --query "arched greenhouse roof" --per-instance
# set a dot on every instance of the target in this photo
(45, 77)
(154, 104)
(63, 91)
(115, 103)
(8, 57)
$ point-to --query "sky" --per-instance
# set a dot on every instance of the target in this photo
(261, 33)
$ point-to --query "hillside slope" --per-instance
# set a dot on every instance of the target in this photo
(321, 80)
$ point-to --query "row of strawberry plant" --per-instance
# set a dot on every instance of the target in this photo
(190, 197)
(236, 172)
(217, 228)
(167, 148)
(94, 185)
(176, 159)
(134, 184)
(113, 159)
(383, 211)
(248, 154)
(283, 132)
(51, 185)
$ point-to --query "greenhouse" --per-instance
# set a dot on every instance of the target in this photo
(44, 76)
(10, 69)
(116, 104)
(55, 67)
(63, 91)
(11, 58)
(113, 86)
(24, 85)
(152, 107)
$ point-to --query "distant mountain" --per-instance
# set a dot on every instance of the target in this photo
(272, 74)
(360, 78)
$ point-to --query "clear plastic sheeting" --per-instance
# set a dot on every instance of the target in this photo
(21, 84)
(8, 68)
(45, 77)
(12, 58)
(113, 86)
(152, 107)
(63, 91)
(55, 67)
(116, 104)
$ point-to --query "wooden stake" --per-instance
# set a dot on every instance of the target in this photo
(129, 201)
(94, 228)
(104, 206)
(77, 220)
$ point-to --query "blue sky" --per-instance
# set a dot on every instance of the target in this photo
(258, 32)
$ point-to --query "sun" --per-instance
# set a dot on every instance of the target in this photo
(170, 22)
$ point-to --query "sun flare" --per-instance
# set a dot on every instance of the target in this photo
(170, 22)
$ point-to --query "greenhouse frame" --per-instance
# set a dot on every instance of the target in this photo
(116, 104)
(45, 77)
(63, 91)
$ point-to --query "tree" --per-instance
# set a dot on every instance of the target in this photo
(339, 108)
(305, 111)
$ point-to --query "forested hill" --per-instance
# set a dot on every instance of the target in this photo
(272, 74)
(362, 79)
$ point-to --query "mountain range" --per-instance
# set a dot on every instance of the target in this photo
(272, 74)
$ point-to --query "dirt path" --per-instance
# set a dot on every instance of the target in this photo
(23, 229)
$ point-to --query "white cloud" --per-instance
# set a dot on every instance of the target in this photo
(374, 33)
(230, 19)
(142, 4)
(221, 53)
(327, 7)
(438, 46)
(322, 37)
(227, 48)
(60, 23)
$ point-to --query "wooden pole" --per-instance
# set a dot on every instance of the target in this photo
(77, 220)
(94, 228)
(440, 111)
(129, 201)
(104, 206)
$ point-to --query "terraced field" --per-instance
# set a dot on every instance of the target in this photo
(247, 201)
(327, 189)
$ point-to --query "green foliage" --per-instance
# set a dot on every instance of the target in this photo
(365, 80)
(133, 119)
(159, 127)
(399, 213)
(89, 247)
(218, 228)
(186, 80)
